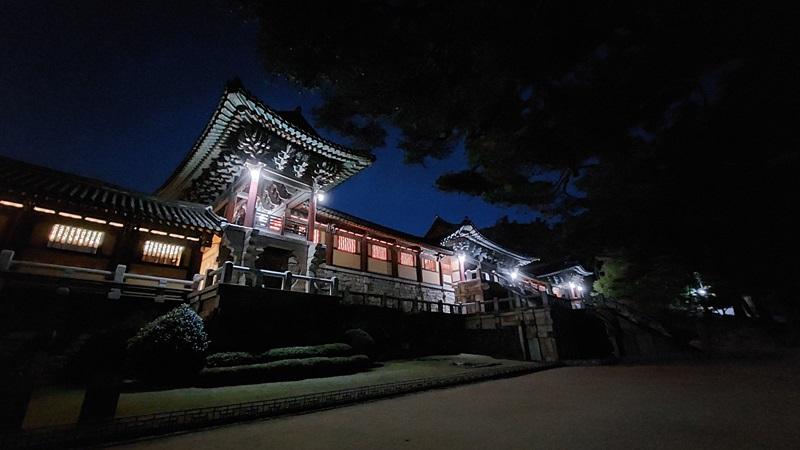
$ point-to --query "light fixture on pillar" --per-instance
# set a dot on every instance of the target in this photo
(255, 171)
(320, 196)
(514, 274)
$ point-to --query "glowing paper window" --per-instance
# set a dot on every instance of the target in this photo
(429, 264)
(378, 252)
(74, 238)
(407, 259)
(162, 253)
(316, 236)
(346, 244)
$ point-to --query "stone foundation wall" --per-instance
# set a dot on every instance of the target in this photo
(355, 281)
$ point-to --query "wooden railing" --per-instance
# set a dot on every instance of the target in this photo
(233, 274)
(118, 282)
(121, 282)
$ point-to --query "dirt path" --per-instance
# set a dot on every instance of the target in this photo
(724, 405)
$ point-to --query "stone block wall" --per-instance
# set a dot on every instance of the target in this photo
(355, 281)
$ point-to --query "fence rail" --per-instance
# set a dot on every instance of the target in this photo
(120, 282)
(169, 422)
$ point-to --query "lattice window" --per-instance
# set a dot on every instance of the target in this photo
(378, 252)
(162, 253)
(75, 238)
(346, 244)
(429, 264)
(408, 259)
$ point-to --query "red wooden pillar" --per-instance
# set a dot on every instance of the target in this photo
(20, 228)
(312, 216)
(419, 266)
(252, 194)
(393, 258)
(230, 208)
(329, 245)
(364, 254)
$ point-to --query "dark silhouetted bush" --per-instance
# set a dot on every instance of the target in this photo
(361, 342)
(283, 370)
(170, 348)
(277, 354)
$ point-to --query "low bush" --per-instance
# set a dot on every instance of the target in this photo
(277, 354)
(361, 341)
(227, 359)
(283, 370)
(170, 348)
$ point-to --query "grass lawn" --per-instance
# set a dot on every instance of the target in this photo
(137, 403)
(51, 406)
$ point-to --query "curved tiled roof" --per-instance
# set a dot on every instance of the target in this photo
(237, 108)
(46, 187)
(470, 232)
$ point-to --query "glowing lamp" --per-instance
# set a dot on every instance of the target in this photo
(702, 292)
(255, 172)
(320, 196)
(514, 274)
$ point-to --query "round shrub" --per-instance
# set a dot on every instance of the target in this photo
(170, 348)
(361, 342)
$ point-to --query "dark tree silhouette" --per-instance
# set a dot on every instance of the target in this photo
(660, 134)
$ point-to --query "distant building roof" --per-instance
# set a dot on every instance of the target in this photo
(467, 235)
(440, 229)
(544, 270)
(55, 189)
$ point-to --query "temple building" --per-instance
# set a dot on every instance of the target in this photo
(247, 194)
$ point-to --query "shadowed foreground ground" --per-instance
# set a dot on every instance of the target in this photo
(712, 405)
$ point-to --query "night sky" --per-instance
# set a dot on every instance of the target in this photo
(122, 94)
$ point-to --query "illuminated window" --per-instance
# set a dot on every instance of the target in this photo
(429, 264)
(407, 259)
(74, 238)
(378, 252)
(316, 236)
(161, 253)
(346, 244)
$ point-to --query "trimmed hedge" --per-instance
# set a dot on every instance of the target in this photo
(278, 354)
(227, 359)
(283, 370)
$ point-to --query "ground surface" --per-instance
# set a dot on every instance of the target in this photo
(54, 406)
(719, 405)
